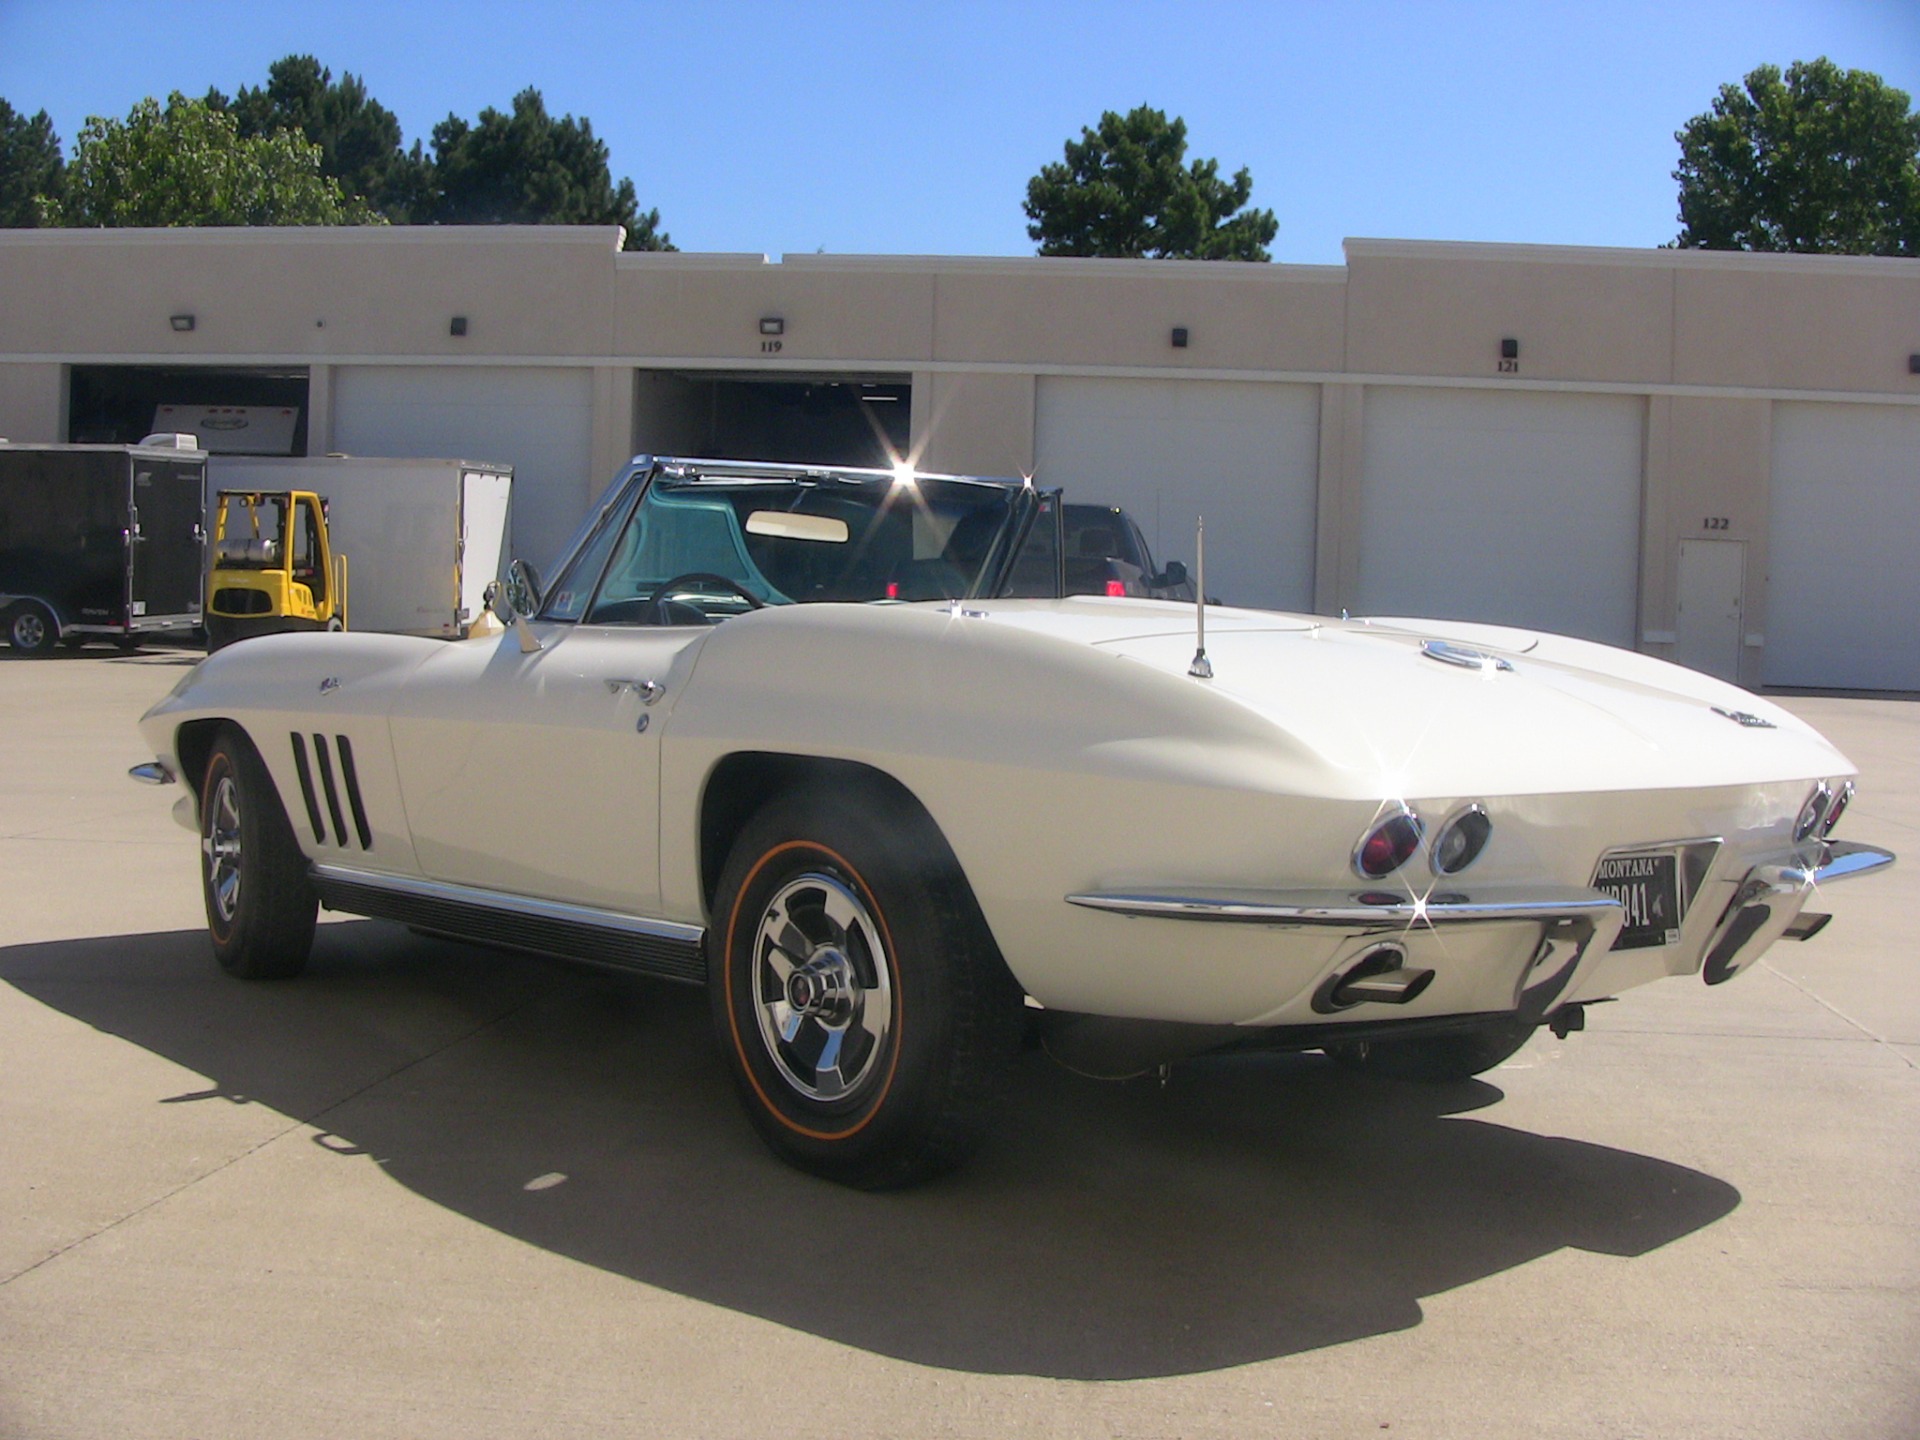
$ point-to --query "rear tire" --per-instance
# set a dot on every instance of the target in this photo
(858, 998)
(1438, 1059)
(261, 905)
(31, 628)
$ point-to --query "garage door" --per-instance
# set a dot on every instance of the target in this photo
(1519, 508)
(1244, 455)
(538, 420)
(1843, 585)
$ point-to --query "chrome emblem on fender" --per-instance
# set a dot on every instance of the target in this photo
(330, 684)
(1745, 718)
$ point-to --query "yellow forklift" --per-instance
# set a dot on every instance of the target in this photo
(274, 568)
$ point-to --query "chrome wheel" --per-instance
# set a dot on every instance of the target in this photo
(220, 848)
(260, 902)
(838, 906)
(822, 987)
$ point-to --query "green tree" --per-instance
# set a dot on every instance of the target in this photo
(528, 168)
(1125, 190)
(30, 166)
(1820, 160)
(358, 137)
(187, 165)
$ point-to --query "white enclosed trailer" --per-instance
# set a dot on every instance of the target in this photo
(422, 537)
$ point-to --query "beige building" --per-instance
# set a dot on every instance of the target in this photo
(1711, 457)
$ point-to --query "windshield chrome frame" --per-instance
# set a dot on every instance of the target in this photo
(1026, 512)
(630, 488)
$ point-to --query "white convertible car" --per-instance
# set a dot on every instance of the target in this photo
(830, 743)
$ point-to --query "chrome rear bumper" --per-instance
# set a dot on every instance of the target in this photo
(1357, 909)
(1578, 925)
(1767, 903)
(1575, 927)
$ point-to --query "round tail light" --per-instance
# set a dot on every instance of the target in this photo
(1837, 808)
(1461, 840)
(1813, 812)
(1388, 845)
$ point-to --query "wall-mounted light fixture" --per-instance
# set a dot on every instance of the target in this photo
(1509, 349)
(457, 325)
(772, 325)
(1179, 337)
(182, 323)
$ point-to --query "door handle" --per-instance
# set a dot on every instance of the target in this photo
(648, 690)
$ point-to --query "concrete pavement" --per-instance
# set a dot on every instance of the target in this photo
(433, 1191)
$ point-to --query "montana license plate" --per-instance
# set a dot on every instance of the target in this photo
(1648, 889)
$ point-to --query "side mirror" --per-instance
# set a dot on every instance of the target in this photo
(1174, 574)
(523, 587)
(494, 597)
(513, 600)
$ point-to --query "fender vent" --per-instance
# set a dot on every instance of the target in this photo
(306, 787)
(352, 777)
(323, 758)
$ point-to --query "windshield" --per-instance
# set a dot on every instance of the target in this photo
(697, 549)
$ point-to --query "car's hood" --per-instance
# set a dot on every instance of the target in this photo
(1547, 712)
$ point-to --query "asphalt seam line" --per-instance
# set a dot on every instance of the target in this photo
(1840, 1014)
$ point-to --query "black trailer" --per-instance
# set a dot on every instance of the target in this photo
(101, 542)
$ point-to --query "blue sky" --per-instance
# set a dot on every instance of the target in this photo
(911, 128)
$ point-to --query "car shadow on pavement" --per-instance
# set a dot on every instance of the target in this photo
(1255, 1206)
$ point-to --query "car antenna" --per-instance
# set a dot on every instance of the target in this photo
(1201, 668)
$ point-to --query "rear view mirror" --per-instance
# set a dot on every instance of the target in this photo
(786, 525)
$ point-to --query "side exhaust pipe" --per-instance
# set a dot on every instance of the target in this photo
(1379, 977)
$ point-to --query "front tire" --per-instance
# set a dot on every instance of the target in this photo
(858, 998)
(1438, 1059)
(31, 628)
(261, 906)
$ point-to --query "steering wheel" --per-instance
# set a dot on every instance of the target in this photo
(657, 603)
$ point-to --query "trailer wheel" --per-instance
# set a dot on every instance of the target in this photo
(31, 628)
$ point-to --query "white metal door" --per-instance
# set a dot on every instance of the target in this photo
(537, 419)
(1243, 454)
(1708, 615)
(484, 498)
(539, 774)
(1519, 508)
(1843, 534)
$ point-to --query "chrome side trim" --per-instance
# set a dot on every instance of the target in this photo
(152, 773)
(1357, 909)
(469, 895)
